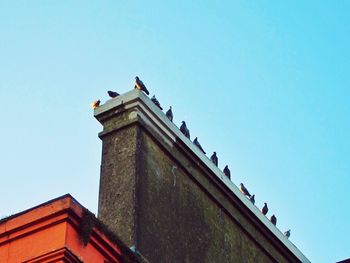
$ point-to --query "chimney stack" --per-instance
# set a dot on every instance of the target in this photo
(160, 194)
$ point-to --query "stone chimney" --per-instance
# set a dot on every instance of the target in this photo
(161, 195)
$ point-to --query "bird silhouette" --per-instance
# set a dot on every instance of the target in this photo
(273, 219)
(185, 130)
(244, 190)
(169, 114)
(113, 94)
(252, 199)
(287, 233)
(214, 159)
(95, 104)
(156, 102)
(227, 172)
(196, 142)
(140, 86)
(265, 209)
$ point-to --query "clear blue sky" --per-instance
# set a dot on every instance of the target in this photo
(264, 84)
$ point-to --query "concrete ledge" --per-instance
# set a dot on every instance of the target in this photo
(142, 109)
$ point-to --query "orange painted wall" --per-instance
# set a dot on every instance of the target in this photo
(50, 233)
(32, 245)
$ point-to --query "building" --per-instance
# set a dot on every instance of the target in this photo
(60, 230)
(165, 199)
(161, 194)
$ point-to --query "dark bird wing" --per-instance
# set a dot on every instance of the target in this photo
(265, 209)
(156, 102)
(287, 233)
(245, 190)
(141, 86)
(227, 172)
(273, 219)
(196, 142)
(185, 131)
(214, 159)
(169, 114)
(113, 94)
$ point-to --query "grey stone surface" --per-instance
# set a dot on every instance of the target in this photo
(160, 193)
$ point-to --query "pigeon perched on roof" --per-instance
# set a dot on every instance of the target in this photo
(273, 219)
(95, 104)
(287, 233)
(185, 130)
(252, 199)
(169, 114)
(196, 142)
(227, 172)
(155, 101)
(113, 94)
(265, 209)
(140, 86)
(244, 190)
(214, 159)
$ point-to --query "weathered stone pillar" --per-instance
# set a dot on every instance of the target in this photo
(161, 194)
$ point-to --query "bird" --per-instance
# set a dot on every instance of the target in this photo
(133, 248)
(273, 219)
(140, 86)
(196, 142)
(265, 209)
(287, 233)
(95, 104)
(227, 172)
(252, 199)
(113, 94)
(169, 114)
(155, 101)
(214, 159)
(185, 130)
(244, 190)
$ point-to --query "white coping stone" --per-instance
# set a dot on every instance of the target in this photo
(133, 98)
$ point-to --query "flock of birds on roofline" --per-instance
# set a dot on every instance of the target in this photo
(183, 128)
